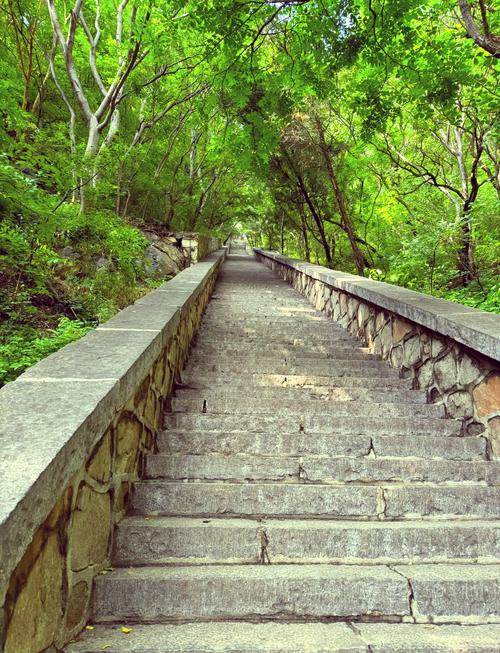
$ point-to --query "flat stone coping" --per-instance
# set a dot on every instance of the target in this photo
(52, 416)
(478, 330)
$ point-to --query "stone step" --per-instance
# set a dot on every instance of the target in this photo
(342, 637)
(320, 332)
(315, 469)
(236, 381)
(307, 592)
(274, 310)
(246, 317)
(184, 540)
(290, 340)
(317, 334)
(277, 311)
(356, 424)
(251, 314)
(365, 367)
(320, 352)
(342, 501)
(425, 447)
(293, 409)
(315, 394)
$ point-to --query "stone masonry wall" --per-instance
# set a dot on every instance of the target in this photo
(46, 597)
(463, 379)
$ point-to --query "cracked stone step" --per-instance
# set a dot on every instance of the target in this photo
(359, 424)
(317, 469)
(297, 444)
(231, 637)
(342, 380)
(180, 540)
(355, 501)
(293, 409)
(316, 394)
(448, 593)
(250, 592)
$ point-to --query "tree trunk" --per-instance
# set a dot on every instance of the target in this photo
(305, 237)
(359, 260)
(317, 219)
(282, 233)
(466, 266)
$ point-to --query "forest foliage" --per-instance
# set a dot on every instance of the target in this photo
(360, 134)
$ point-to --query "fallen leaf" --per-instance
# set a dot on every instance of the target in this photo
(89, 627)
(125, 630)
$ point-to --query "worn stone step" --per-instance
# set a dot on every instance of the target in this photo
(322, 333)
(319, 352)
(246, 317)
(240, 467)
(317, 323)
(342, 637)
(307, 592)
(183, 540)
(358, 424)
(465, 501)
(234, 381)
(286, 340)
(344, 501)
(258, 309)
(299, 444)
(203, 364)
(316, 394)
(293, 409)
(255, 313)
(250, 592)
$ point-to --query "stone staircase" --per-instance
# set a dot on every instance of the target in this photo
(288, 443)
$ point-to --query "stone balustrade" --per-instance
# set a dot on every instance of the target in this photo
(74, 430)
(451, 350)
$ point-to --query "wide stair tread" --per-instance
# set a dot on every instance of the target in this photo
(317, 500)
(294, 443)
(318, 469)
(295, 592)
(234, 637)
(189, 540)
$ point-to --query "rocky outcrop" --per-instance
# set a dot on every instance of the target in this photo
(170, 253)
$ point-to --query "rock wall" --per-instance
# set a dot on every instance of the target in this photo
(74, 431)
(170, 254)
(450, 350)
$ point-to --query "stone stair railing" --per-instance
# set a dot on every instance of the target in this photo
(451, 351)
(74, 432)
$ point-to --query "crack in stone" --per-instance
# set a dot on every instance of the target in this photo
(411, 594)
(381, 506)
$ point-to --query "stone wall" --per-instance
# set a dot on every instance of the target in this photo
(205, 246)
(74, 430)
(450, 350)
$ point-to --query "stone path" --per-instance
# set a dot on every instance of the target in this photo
(288, 443)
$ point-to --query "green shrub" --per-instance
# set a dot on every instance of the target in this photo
(23, 348)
